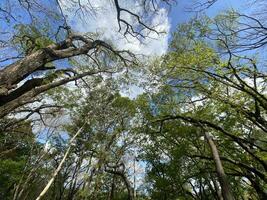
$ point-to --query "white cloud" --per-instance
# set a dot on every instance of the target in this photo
(104, 21)
(100, 17)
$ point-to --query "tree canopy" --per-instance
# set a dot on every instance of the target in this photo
(71, 127)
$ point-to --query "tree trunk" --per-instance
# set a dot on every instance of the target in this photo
(226, 189)
(59, 166)
(125, 180)
(112, 189)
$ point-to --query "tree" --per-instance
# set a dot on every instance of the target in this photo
(67, 132)
(13, 153)
(37, 51)
(97, 147)
(218, 96)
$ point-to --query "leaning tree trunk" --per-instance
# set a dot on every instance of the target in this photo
(226, 189)
(41, 195)
(12, 95)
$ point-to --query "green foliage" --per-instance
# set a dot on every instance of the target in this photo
(11, 172)
(198, 91)
(30, 38)
(201, 84)
(15, 147)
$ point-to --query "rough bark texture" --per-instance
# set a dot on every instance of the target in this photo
(28, 96)
(12, 96)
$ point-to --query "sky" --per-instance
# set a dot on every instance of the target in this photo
(104, 22)
(179, 13)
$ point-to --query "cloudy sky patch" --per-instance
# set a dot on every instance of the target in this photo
(100, 16)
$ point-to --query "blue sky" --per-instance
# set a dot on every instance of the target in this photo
(178, 13)
(106, 22)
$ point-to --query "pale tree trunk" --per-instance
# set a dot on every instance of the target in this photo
(225, 186)
(59, 166)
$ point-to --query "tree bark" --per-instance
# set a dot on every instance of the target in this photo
(12, 96)
(28, 97)
(16, 72)
(225, 186)
(112, 189)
